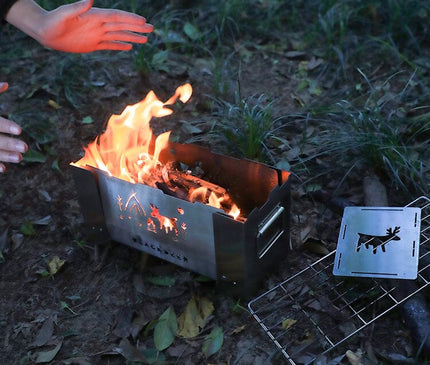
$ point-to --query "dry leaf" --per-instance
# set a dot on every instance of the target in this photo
(47, 356)
(238, 330)
(195, 316)
(45, 333)
(55, 265)
(53, 104)
(353, 358)
(130, 352)
(288, 323)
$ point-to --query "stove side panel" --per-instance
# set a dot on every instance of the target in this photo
(147, 219)
(90, 202)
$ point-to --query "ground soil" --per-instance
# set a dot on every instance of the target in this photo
(89, 306)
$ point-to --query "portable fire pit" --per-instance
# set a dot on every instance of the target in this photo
(222, 217)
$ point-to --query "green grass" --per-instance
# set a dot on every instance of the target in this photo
(376, 133)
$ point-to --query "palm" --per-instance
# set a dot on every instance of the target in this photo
(79, 28)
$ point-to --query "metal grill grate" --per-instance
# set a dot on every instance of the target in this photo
(313, 311)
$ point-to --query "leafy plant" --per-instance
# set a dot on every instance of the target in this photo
(377, 134)
(149, 59)
(246, 127)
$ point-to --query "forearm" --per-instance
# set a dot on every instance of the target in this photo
(27, 16)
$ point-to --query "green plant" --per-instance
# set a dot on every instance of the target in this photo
(377, 134)
(245, 126)
(149, 59)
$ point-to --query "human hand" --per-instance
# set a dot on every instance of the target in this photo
(11, 149)
(78, 27)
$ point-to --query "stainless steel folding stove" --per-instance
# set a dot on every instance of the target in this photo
(196, 236)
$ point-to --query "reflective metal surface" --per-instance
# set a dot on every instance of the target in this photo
(379, 242)
(198, 237)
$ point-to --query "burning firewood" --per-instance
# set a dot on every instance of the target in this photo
(125, 150)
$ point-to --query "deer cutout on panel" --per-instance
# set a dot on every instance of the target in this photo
(378, 241)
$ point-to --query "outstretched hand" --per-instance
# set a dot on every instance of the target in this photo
(11, 149)
(80, 28)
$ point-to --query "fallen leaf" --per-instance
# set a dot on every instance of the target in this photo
(190, 129)
(129, 352)
(47, 356)
(141, 320)
(53, 104)
(194, 317)
(213, 342)
(123, 322)
(27, 228)
(153, 356)
(159, 292)
(191, 31)
(77, 361)
(34, 156)
(353, 358)
(55, 265)
(181, 350)
(87, 120)
(314, 63)
(165, 329)
(238, 330)
(288, 323)
(295, 54)
(161, 280)
(42, 221)
(316, 246)
(17, 240)
(45, 195)
(45, 333)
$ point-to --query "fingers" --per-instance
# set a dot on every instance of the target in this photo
(119, 16)
(11, 150)
(8, 156)
(124, 37)
(3, 86)
(128, 27)
(11, 147)
(119, 35)
(7, 126)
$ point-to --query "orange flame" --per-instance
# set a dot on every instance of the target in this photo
(123, 149)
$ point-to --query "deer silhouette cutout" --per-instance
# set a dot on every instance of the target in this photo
(376, 241)
(166, 223)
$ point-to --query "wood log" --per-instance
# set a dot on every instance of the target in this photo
(181, 185)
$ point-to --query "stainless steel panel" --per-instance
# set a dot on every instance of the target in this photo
(161, 225)
(379, 242)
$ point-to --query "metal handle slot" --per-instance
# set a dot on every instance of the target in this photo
(270, 230)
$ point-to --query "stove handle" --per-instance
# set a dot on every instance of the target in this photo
(269, 231)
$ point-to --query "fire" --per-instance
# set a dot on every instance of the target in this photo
(123, 150)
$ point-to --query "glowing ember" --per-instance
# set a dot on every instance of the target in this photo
(123, 151)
